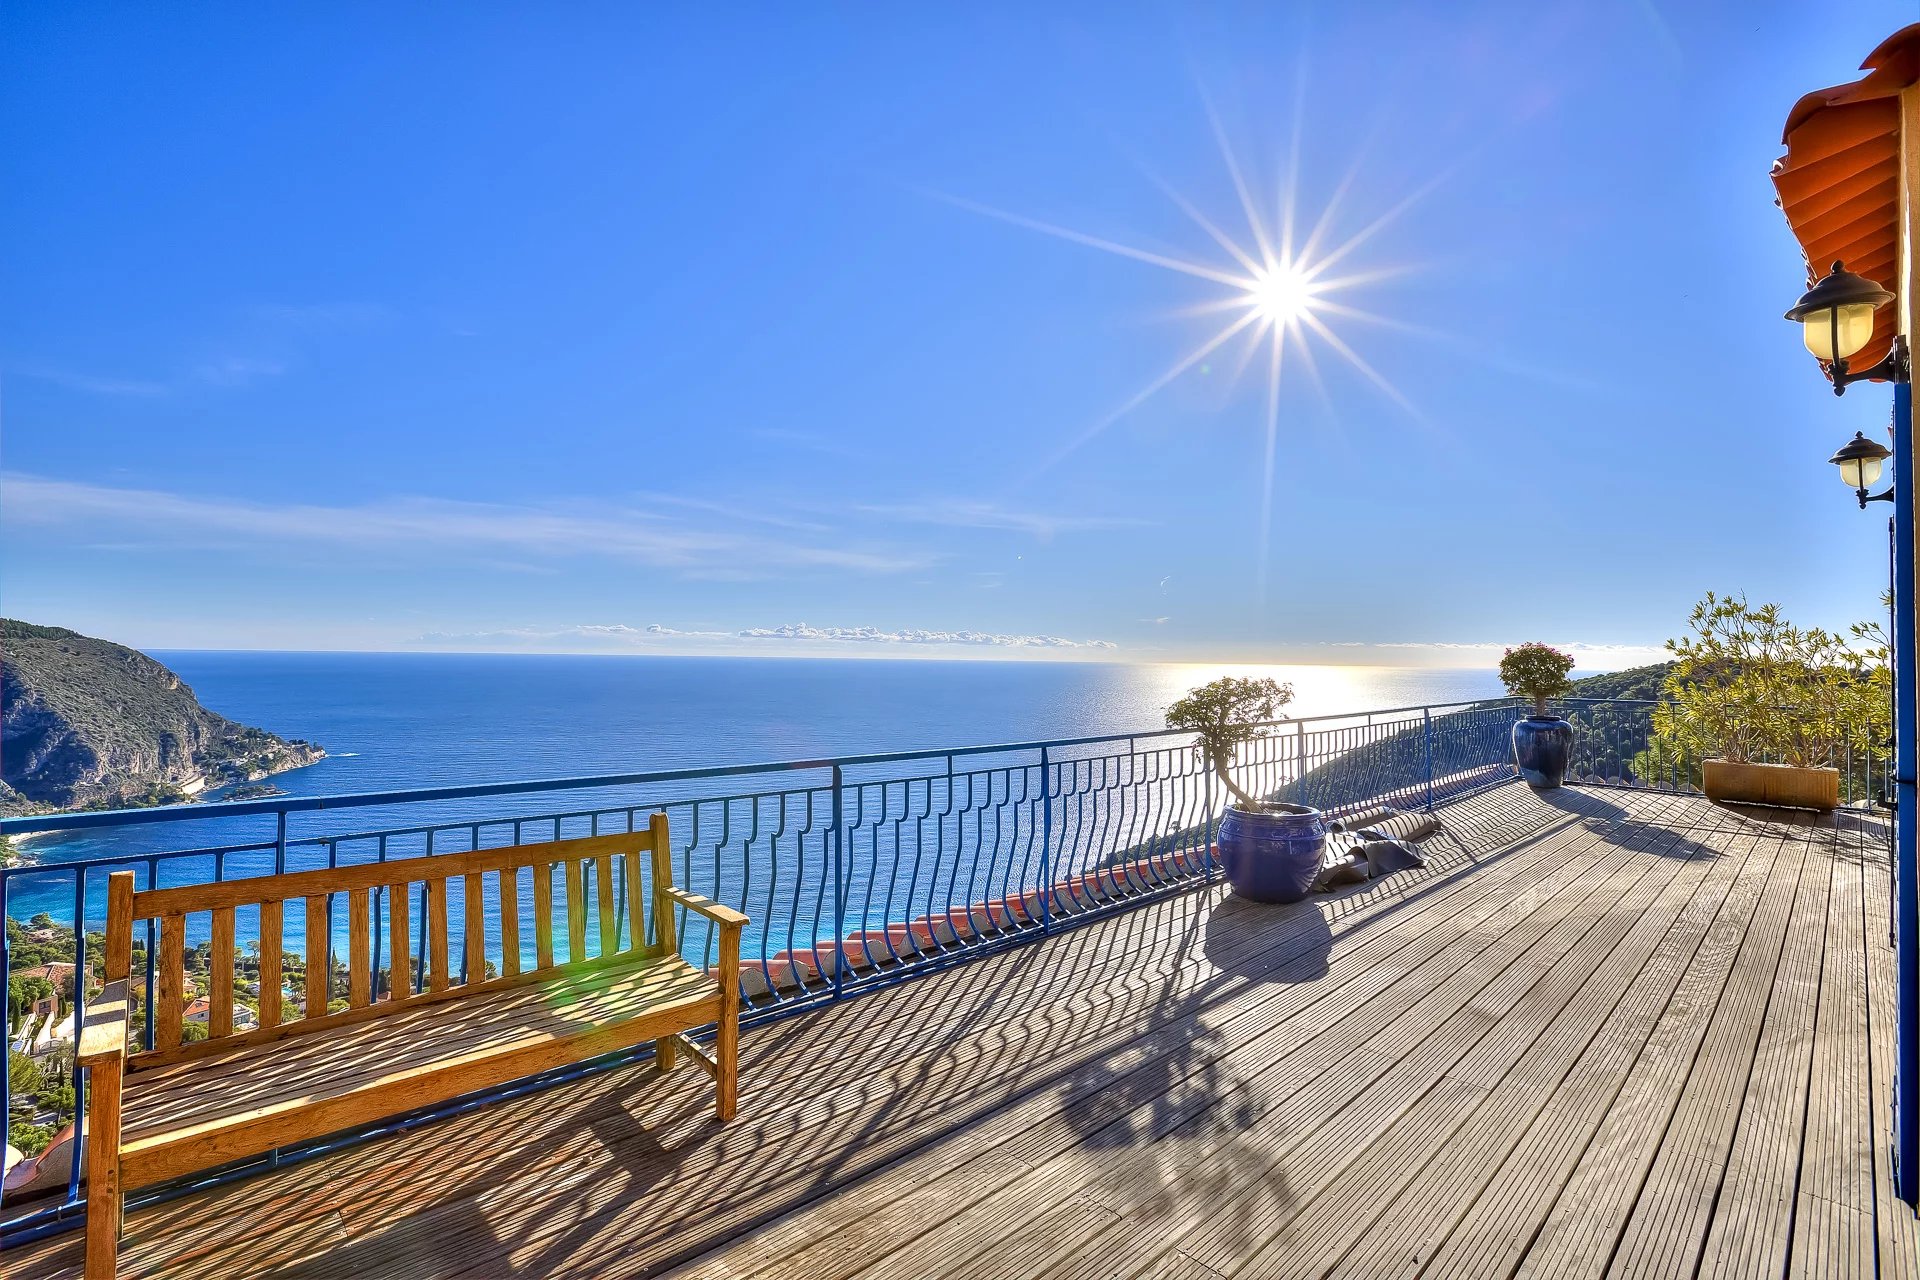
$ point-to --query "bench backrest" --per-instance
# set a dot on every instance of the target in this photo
(492, 885)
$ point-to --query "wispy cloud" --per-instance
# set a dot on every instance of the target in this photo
(805, 441)
(959, 514)
(237, 371)
(136, 387)
(321, 315)
(1571, 646)
(874, 635)
(622, 636)
(1474, 652)
(414, 524)
(738, 511)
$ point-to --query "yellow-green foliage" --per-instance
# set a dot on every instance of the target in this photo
(1751, 687)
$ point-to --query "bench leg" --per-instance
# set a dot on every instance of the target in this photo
(665, 1055)
(726, 1054)
(104, 1199)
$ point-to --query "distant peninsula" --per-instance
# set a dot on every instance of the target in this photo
(89, 724)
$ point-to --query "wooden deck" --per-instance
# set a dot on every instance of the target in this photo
(1603, 1033)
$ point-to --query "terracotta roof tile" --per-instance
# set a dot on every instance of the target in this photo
(1839, 181)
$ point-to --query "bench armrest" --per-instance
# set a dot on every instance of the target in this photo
(105, 1034)
(720, 915)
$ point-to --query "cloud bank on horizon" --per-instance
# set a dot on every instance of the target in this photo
(598, 636)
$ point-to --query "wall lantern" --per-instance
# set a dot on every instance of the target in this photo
(1860, 460)
(1836, 318)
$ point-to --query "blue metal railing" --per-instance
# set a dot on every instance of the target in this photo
(856, 871)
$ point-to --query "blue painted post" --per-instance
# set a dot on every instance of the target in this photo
(1906, 732)
(378, 924)
(6, 975)
(1046, 843)
(839, 895)
(79, 1022)
(1426, 717)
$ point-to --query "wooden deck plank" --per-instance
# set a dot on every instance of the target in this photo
(1242, 1102)
(1395, 1203)
(897, 1201)
(1752, 1217)
(1582, 1231)
(1667, 1230)
(1833, 1219)
(1895, 1225)
(1497, 1221)
(1501, 1020)
(1460, 1065)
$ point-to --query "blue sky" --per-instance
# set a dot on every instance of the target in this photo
(677, 329)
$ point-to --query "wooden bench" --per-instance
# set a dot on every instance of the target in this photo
(180, 1105)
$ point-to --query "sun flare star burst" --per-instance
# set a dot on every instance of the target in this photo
(1279, 297)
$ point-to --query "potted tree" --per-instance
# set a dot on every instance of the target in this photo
(1542, 741)
(1763, 711)
(1269, 849)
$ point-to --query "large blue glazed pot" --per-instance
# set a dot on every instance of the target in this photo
(1272, 855)
(1541, 745)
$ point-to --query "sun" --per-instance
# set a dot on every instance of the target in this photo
(1280, 294)
(1280, 298)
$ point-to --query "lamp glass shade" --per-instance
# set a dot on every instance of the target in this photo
(1836, 333)
(1860, 473)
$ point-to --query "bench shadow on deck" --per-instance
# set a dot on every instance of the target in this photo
(1602, 1032)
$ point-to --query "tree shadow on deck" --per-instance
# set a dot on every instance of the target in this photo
(1655, 823)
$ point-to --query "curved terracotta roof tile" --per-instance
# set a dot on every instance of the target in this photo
(1839, 181)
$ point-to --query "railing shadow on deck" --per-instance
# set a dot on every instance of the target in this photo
(868, 871)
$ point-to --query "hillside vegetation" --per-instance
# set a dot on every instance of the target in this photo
(86, 723)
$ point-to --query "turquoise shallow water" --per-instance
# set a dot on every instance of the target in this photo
(396, 721)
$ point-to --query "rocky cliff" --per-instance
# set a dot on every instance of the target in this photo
(86, 723)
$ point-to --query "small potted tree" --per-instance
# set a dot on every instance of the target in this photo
(1542, 741)
(1766, 710)
(1269, 849)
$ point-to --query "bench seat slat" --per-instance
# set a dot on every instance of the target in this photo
(186, 1116)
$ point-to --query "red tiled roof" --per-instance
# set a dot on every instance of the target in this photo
(1839, 182)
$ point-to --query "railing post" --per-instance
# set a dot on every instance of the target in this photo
(839, 896)
(1299, 761)
(1046, 842)
(1426, 717)
(1208, 830)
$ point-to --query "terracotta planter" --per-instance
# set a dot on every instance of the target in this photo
(1776, 784)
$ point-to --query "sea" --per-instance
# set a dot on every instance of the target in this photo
(405, 721)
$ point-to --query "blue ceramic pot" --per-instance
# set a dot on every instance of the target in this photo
(1272, 855)
(1541, 745)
